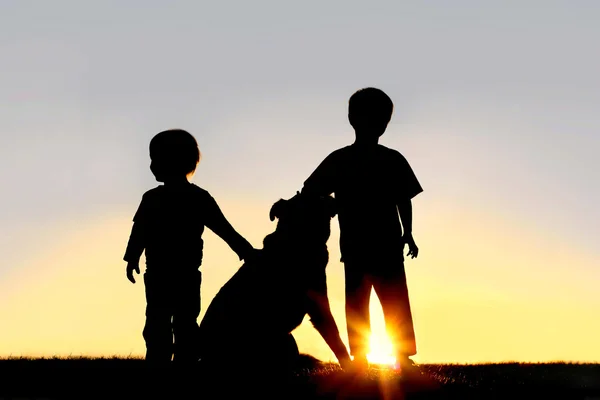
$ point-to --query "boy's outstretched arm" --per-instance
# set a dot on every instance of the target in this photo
(217, 223)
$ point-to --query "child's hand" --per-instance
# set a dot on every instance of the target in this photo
(131, 266)
(413, 250)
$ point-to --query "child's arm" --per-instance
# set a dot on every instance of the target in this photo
(134, 251)
(406, 217)
(136, 244)
(217, 223)
(409, 186)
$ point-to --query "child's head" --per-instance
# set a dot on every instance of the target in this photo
(370, 111)
(174, 154)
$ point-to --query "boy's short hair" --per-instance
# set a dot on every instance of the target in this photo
(177, 150)
(371, 102)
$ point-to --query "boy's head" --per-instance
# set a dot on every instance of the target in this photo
(174, 154)
(370, 111)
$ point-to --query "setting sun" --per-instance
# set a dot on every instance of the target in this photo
(381, 350)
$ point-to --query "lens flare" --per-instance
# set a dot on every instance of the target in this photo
(382, 351)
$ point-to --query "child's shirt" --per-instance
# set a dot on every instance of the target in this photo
(169, 224)
(368, 184)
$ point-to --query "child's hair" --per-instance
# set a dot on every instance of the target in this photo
(176, 151)
(371, 103)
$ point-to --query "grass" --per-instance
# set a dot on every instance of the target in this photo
(113, 377)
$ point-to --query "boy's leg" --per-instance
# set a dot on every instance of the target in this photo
(185, 317)
(157, 330)
(358, 292)
(392, 291)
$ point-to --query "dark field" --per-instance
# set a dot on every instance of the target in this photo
(83, 378)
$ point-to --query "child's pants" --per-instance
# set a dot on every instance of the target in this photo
(389, 282)
(172, 310)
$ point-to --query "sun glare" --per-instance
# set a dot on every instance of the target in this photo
(381, 350)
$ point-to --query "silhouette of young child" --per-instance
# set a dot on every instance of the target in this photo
(168, 226)
(372, 185)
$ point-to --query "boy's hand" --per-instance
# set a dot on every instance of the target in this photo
(413, 250)
(131, 266)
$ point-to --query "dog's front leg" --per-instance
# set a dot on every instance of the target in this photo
(323, 321)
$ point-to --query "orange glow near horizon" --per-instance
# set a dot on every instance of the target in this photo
(484, 305)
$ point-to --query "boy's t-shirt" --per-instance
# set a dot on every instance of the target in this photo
(169, 224)
(367, 184)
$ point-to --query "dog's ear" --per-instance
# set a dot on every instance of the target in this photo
(277, 209)
(331, 206)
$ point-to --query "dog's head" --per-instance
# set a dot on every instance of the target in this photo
(305, 217)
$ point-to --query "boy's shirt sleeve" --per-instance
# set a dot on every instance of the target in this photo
(136, 244)
(321, 181)
(216, 222)
(409, 185)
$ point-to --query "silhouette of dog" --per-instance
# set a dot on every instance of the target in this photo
(254, 313)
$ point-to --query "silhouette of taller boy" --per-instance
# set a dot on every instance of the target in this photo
(168, 225)
(372, 185)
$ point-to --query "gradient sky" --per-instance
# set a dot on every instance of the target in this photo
(496, 110)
